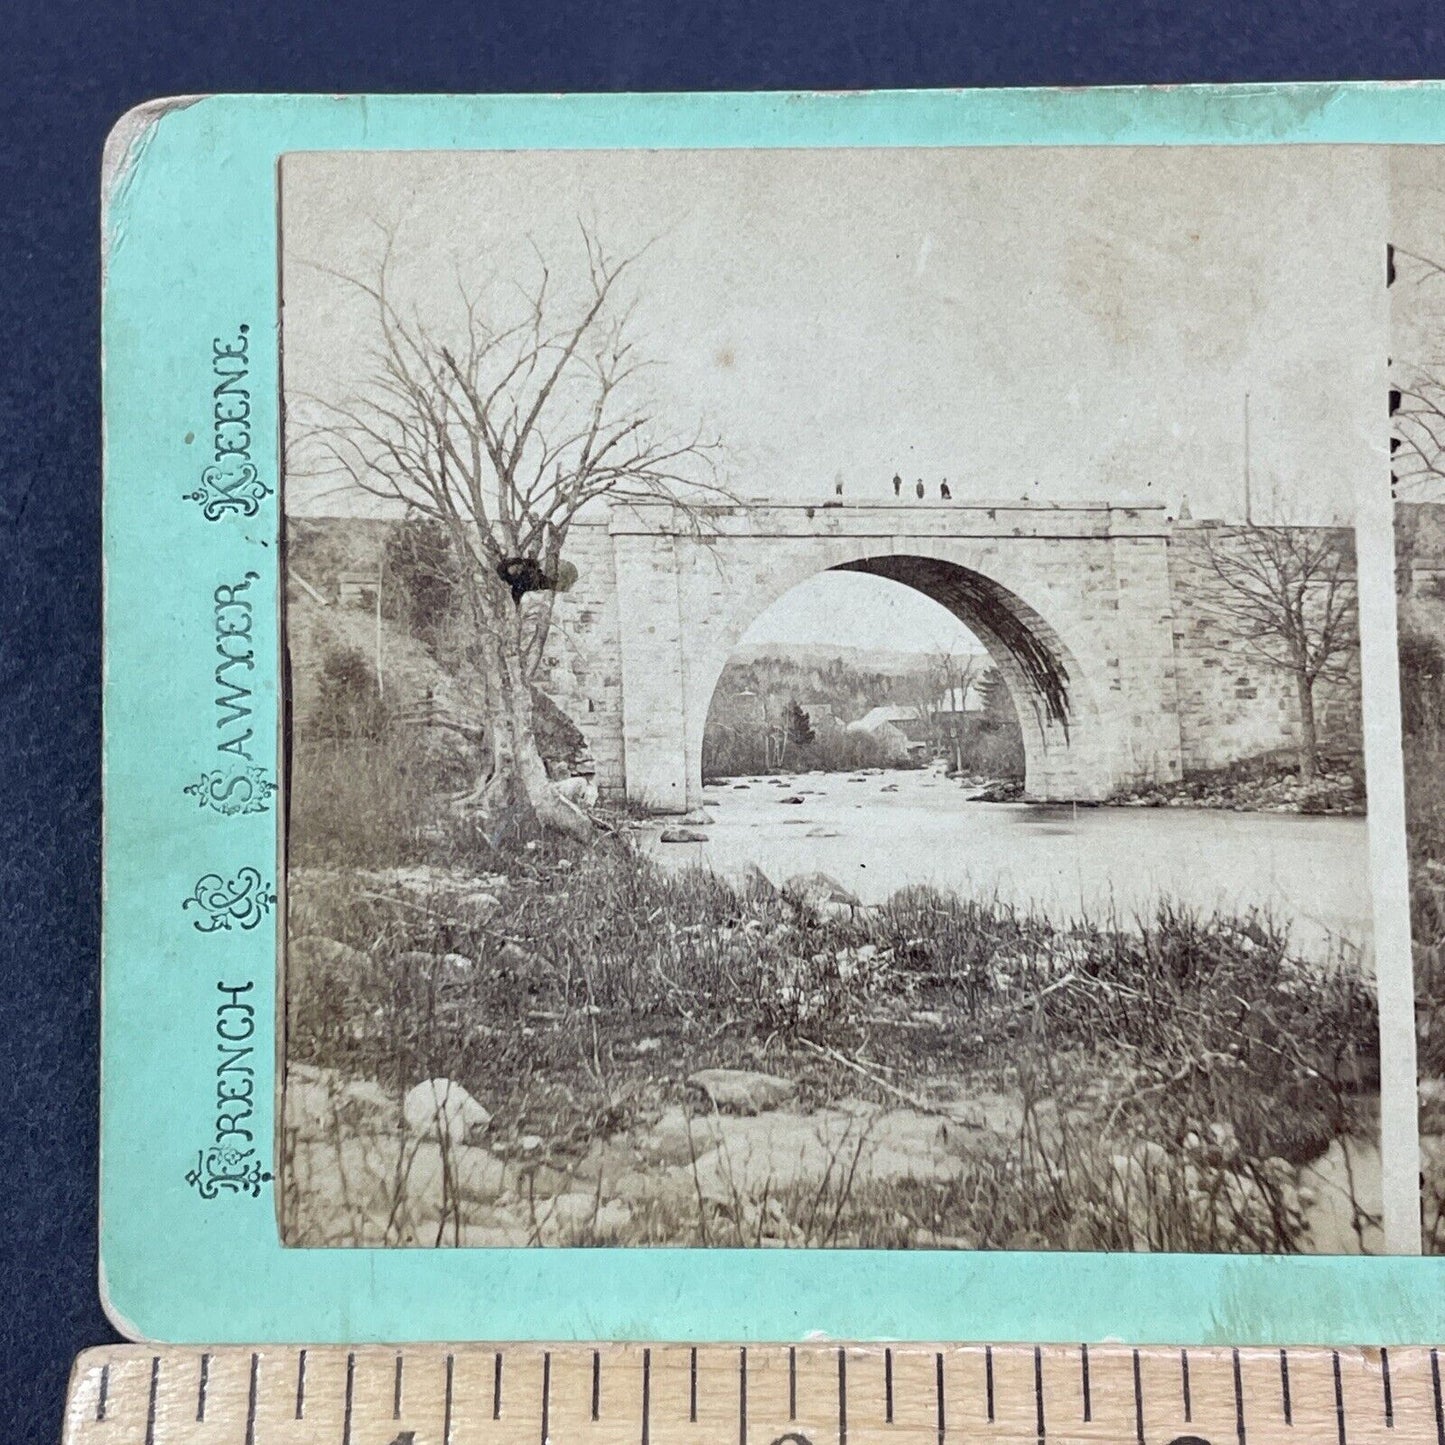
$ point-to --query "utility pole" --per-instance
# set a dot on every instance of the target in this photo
(380, 579)
(1248, 500)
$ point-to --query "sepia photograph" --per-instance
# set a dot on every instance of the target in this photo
(824, 695)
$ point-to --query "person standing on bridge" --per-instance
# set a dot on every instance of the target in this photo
(838, 485)
(944, 492)
(897, 485)
(918, 489)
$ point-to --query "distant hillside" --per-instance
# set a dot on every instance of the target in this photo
(807, 656)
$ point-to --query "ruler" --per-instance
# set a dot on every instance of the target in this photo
(812, 1394)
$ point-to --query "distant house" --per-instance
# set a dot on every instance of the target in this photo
(356, 589)
(932, 730)
(893, 726)
(897, 713)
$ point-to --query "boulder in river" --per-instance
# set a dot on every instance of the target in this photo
(822, 893)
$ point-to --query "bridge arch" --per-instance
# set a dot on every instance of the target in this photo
(1055, 707)
(1072, 604)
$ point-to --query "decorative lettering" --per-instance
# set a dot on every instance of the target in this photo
(232, 484)
(232, 615)
(230, 1164)
(242, 901)
(247, 790)
(224, 1168)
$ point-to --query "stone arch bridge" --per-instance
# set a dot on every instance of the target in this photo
(1093, 614)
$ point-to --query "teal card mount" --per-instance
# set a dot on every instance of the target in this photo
(757, 716)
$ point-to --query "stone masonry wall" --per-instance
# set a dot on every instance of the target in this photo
(1233, 704)
(582, 667)
(1112, 601)
(1088, 587)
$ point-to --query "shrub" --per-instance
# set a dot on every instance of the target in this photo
(348, 703)
(1422, 683)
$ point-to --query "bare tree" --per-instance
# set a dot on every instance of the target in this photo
(503, 425)
(1417, 418)
(939, 696)
(1417, 433)
(1417, 393)
(1289, 594)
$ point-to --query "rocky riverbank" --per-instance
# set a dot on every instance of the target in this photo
(579, 1048)
(1244, 790)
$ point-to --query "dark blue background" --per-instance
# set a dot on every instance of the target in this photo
(67, 70)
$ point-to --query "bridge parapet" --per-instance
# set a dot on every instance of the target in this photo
(899, 519)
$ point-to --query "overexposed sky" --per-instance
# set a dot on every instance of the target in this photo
(1057, 324)
(851, 609)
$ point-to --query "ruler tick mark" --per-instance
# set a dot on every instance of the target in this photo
(1238, 1401)
(1039, 1392)
(251, 1389)
(1439, 1410)
(1138, 1402)
(743, 1397)
(350, 1394)
(647, 1393)
(938, 1390)
(1388, 1392)
(1339, 1398)
(151, 1407)
(364, 1407)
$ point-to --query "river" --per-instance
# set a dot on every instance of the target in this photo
(878, 832)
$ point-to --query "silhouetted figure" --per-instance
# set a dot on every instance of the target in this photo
(918, 489)
(838, 485)
(897, 485)
(944, 492)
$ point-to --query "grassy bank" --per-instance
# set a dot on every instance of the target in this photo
(1163, 1078)
(1425, 805)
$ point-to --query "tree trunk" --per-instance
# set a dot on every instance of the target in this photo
(518, 800)
(1308, 740)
